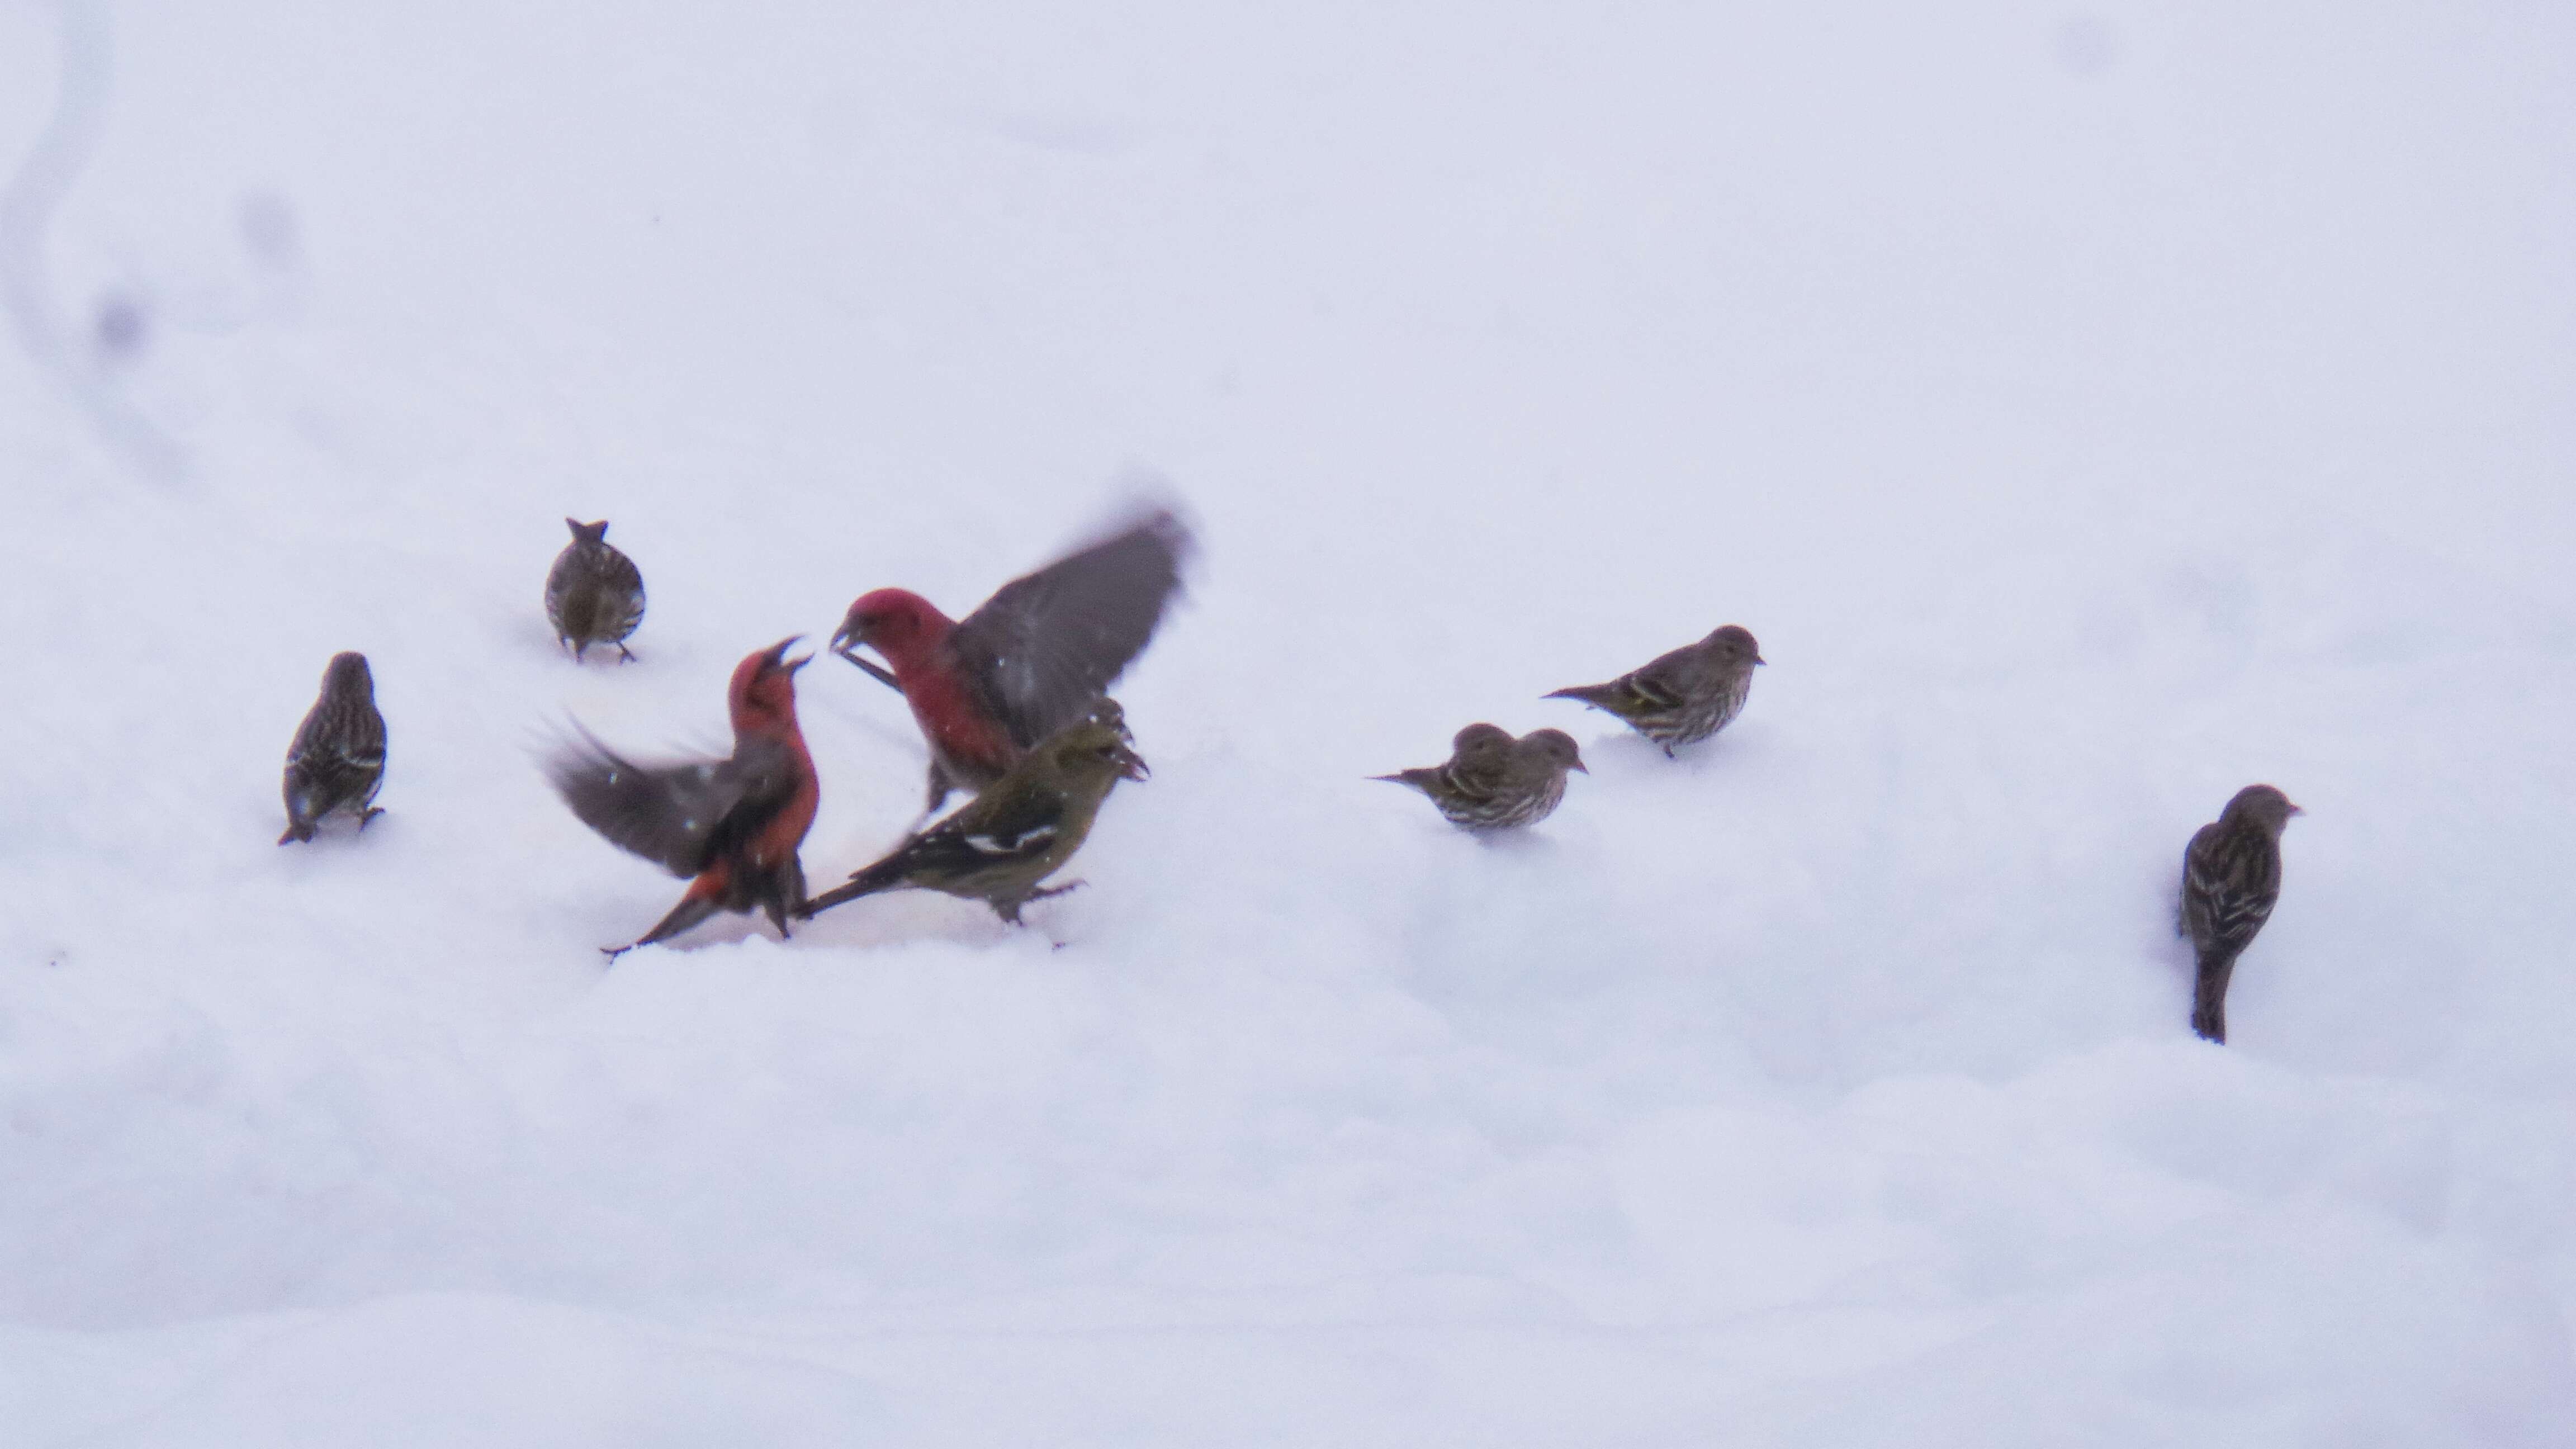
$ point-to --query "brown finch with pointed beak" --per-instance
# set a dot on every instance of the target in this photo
(1682, 697)
(337, 762)
(2231, 878)
(594, 594)
(1494, 782)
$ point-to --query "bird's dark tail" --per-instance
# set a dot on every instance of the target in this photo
(693, 908)
(2209, 996)
(1419, 779)
(868, 882)
(1596, 695)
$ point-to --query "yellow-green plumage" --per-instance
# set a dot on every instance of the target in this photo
(1018, 832)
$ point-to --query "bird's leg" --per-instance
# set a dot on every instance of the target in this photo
(1668, 753)
(784, 895)
(577, 648)
(370, 813)
(937, 796)
(1014, 916)
(625, 655)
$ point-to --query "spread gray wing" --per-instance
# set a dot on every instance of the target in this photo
(679, 816)
(1047, 645)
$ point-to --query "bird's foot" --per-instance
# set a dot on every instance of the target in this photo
(625, 655)
(613, 952)
(1065, 889)
(371, 813)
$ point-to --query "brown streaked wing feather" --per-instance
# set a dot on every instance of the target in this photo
(1667, 679)
(1478, 776)
(2231, 878)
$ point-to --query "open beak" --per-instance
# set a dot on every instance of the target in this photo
(778, 655)
(1136, 768)
(846, 643)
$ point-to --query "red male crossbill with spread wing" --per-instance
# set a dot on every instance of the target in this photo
(730, 827)
(987, 688)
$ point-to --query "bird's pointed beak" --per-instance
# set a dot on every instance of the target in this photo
(1136, 768)
(2296, 810)
(1587, 769)
(778, 659)
(1758, 659)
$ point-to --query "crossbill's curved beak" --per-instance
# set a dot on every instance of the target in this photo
(847, 643)
(1135, 767)
(777, 655)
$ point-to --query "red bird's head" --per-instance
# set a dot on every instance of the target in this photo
(762, 696)
(897, 623)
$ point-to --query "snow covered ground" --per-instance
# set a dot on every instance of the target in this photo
(2092, 410)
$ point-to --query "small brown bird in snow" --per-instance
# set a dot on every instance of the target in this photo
(1682, 697)
(2231, 877)
(1021, 830)
(594, 594)
(1494, 782)
(337, 762)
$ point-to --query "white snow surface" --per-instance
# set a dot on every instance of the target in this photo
(2092, 410)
